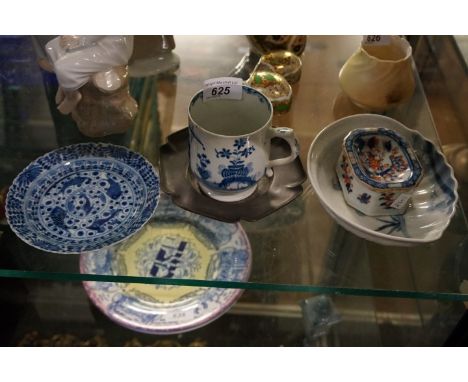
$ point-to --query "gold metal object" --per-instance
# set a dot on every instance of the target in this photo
(275, 87)
(284, 63)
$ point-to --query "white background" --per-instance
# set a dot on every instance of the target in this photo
(401, 17)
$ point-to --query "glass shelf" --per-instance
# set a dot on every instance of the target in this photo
(299, 248)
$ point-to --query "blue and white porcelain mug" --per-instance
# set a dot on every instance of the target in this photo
(229, 143)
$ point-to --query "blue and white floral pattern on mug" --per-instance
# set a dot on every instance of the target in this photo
(229, 143)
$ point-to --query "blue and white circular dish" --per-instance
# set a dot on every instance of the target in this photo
(174, 244)
(433, 201)
(82, 197)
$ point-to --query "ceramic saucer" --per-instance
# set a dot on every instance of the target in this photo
(174, 244)
(271, 194)
(433, 202)
(82, 197)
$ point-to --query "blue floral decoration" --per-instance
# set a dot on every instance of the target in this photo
(393, 223)
(203, 163)
(238, 172)
(28, 175)
(239, 143)
(223, 153)
(247, 152)
(364, 198)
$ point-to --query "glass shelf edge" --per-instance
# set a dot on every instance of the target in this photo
(317, 289)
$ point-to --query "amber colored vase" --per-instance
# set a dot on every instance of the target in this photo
(379, 77)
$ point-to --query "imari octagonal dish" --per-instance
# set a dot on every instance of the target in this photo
(378, 171)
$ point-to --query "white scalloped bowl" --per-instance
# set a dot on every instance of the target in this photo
(433, 202)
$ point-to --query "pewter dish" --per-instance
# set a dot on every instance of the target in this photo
(272, 192)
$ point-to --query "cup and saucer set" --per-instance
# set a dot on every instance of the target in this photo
(374, 176)
(220, 165)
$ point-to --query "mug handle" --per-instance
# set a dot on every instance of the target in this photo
(288, 135)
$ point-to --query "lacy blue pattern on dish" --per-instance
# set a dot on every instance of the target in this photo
(82, 197)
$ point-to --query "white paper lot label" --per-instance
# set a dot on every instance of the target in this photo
(222, 87)
(400, 201)
(376, 40)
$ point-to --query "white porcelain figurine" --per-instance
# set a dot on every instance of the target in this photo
(93, 81)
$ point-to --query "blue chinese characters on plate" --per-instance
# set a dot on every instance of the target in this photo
(82, 197)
